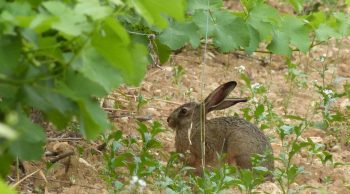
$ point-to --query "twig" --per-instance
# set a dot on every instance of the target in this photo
(61, 156)
(139, 118)
(116, 99)
(115, 109)
(24, 178)
(167, 101)
(65, 139)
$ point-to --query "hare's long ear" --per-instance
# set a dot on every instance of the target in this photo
(227, 103)
(218, 95)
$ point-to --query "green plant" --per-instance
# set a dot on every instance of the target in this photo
(59, 56)
(126, 158)
(178, 72)
(141, 101)
(295, 78)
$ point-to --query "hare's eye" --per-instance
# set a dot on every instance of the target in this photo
(183, 111)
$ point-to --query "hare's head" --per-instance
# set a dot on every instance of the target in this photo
(183, 116)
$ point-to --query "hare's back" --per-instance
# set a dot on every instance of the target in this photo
(238, 133)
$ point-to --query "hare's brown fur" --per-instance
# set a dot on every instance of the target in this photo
(237, 138)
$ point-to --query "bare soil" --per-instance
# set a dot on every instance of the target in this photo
(80, 173)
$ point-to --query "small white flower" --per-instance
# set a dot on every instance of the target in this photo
(254, 100)
(134, 179)
(256, 85)
(142, 183)
(314, 81)
(240, 69)
(328, 92)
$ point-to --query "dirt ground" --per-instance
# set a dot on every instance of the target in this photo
(80, 172)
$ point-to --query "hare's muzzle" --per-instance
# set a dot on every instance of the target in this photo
(171, 122)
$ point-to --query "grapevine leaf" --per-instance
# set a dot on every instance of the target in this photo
(54, 105)
(297, 32)
(154, 11)
(113, 43)
(31, 140)
(200, 19)
(179, 34)
(343, 21)
(93, 120)
(254, 39)
(214, 5)
(263, 17)
(280, 44)
(70, 23)
(163, 51)
(6, 159)
(79, 89)
(231, 32)
(228, 31)
(293, 31)
(297, 5)
(324, 32)
(10, 50)
(316, 19)
(93, 9)
(97, 69)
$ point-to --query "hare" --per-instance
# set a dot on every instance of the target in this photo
(237, 138)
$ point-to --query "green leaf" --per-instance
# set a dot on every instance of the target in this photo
(214, 5)
(42, 22)
(229, 32)
(93, 9)
(254, 40)
(343, 22)
(4, 188)
(325, 32)
(78, 88)
(280, 44)
(6, 160)
(154, 11)
(113, 43)
(69, 23)
(200, 19)
(97, 69)
(10, 51)
(81, 87)
(31, 140)
(93, 120)
(55, 106)
(297, 31)
(292, 31)
(259, 110)
(179, 34)
(298, 5)
(315, 19)
(163, 51)
(263, 18)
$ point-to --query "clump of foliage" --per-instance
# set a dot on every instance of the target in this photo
(58, 57)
